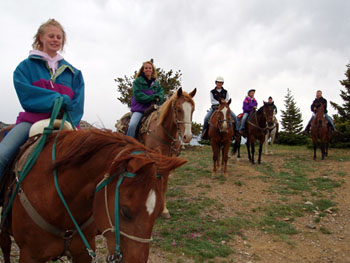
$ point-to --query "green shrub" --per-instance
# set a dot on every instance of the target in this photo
(291, 139)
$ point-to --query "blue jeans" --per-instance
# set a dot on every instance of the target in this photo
(134, 121)
(206, 119)
(244, 118)
(11, 143)
(233, 115)
(327, 118)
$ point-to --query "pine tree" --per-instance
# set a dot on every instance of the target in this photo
(342, 119)
(291, 117)
(169, 81)
(344, 110)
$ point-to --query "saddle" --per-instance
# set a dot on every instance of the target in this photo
(122, 124)
(9, 178)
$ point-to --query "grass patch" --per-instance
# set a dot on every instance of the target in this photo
(194, 232)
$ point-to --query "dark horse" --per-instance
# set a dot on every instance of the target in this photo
(256, 129)
(320, 130)
(221, 133)
(84, 160)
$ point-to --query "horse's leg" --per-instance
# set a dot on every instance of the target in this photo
(273, 134)
(322, 149)
(239, 151)
(5, 244)
(260, 151)
(266, 143)
(252, 145)
(315, 148)
(225, 157)
(215, 156)
(165, 213)
(25, 257)
(248, 149)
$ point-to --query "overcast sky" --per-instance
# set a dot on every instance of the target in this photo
(268, 45)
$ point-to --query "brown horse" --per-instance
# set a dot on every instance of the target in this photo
(171, 123)
(257, 128)
(320, 131)
(221, 133)
(85, 159)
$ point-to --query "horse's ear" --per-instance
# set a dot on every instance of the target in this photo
(136, 163)
(229, 102)
(177, 163)
(265, 102)
(170, 164)
(179, 92)
(193, 92)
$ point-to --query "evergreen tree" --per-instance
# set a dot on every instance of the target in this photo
(342, 119)
(169, 80)
(291, 116)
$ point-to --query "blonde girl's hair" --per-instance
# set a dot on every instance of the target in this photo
(154, 73)
(37, 44)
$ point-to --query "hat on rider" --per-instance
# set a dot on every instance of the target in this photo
(219, 79)
(251, 90)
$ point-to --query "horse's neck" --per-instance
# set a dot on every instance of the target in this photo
(169, 124)
(261, 119)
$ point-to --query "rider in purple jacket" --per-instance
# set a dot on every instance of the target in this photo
(249, 104)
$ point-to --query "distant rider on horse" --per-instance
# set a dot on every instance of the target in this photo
(319, 100)
(217, 94)
(270, 101)
(145, 91)
(249, 104)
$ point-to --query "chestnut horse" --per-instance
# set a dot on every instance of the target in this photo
(257, 128)
(220, 134)
(320, 130)
(84, 160)
(172, 121)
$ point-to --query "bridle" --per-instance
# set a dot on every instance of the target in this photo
(222, 121)
(267, 127)
(117, 257)
(174, 142)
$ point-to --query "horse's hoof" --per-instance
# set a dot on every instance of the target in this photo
(165, 215)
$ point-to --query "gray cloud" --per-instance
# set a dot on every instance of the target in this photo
(267, 45)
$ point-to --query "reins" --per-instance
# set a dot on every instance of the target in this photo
(65, 234)
(173, 141)
(116, 227)
(228, 120)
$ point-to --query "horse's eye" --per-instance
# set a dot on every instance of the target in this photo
(125, 213)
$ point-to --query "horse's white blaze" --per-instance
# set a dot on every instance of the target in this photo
(151, 202)
(224, 125)
(187, 108)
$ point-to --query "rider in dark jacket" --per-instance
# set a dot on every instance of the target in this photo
(319, 100)
(216, 95)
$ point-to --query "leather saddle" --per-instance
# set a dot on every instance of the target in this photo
(122, 124)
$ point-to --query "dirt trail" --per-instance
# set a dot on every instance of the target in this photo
(309, 245)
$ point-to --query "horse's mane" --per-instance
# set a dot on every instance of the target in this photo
(78, 147)
(165, 108)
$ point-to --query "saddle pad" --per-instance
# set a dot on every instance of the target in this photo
(24, 153)
(122, 124)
